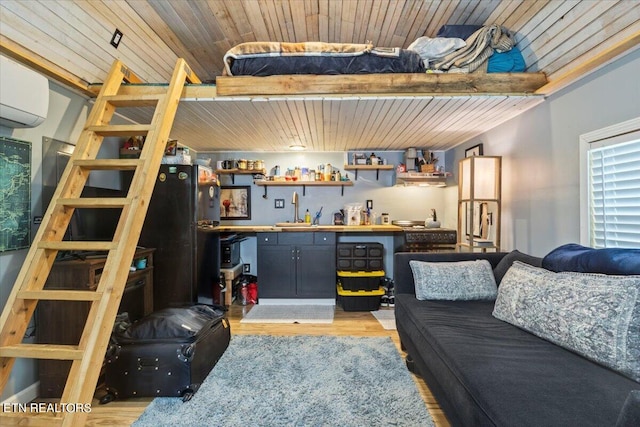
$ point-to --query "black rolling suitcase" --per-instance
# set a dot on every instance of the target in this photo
(167, 353)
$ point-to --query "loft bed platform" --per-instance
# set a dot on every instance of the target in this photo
(363, 85)
(399, 84)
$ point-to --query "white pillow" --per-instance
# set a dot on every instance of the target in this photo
(462, 280)
(439, 47)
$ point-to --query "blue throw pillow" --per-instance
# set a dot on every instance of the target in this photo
(574, 257)
(458, 31)
(594, 315)
(510, 61)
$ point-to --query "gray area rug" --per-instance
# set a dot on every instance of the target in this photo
(289, 314)
(300, 381)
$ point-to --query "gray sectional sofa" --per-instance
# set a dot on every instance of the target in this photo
(486, 371)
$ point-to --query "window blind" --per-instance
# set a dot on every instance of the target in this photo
(614, 199)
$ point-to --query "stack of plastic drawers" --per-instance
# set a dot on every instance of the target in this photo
(360, 269)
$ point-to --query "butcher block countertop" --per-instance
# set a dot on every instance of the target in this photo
(312, 228)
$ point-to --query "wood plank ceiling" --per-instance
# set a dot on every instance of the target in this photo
(72, 37)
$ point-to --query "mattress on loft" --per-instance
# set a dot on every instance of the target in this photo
(267, 59)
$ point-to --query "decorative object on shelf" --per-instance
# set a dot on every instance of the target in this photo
(235, 202)
(476, 150)
(432, 221)
(479, 202)
(172, 145)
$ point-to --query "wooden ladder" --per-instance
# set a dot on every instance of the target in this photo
(87, 356)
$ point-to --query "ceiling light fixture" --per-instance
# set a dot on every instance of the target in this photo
(297, 147)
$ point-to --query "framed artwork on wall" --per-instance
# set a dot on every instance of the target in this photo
(476, 150)
(235, 202)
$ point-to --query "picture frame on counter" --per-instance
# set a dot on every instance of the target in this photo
(476, 150)
(235, 202)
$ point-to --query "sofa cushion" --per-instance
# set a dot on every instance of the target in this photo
(506, 262)
(595, 315)
(574, 257)
(462, 280)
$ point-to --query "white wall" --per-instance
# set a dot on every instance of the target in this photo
(540, 149)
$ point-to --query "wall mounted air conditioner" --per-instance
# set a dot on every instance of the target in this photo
(24, 95)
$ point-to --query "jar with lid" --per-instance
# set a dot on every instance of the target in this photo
(327, 172)
(242, 164)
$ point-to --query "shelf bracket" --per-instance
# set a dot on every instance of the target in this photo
(377, 174)
(356, 174)
(304, 190)
(264, 196)
(233, 178)
(342, 192)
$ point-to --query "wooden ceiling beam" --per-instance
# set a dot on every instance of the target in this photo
(353, 84)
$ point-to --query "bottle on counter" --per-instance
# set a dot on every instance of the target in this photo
(307, 217)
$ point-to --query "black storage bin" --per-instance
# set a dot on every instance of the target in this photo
(360, 280)
(167, 353)
(365, 256)
(360, 300)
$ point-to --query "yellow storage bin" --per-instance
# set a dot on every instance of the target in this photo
(360, 280)
(360, 300)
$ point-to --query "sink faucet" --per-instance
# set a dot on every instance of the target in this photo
(294, 202)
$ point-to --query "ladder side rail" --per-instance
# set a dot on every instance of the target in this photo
(102, 314)
(17, 313)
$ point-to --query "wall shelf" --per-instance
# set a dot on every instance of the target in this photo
(377, 168)
(422, 178)
(303, 184)
(234, 172)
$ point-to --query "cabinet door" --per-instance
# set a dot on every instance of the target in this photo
(276, 271)
(316, 271)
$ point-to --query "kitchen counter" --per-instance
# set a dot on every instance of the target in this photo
(313, 228)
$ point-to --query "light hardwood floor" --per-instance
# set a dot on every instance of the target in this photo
(363, 324)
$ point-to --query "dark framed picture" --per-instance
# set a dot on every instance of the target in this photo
(476, 150)
(235, 202)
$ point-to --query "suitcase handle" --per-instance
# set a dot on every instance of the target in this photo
(148, 363)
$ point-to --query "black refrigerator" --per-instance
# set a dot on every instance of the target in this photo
(182, 212)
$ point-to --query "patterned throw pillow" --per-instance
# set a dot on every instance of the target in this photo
(594, 315)
(462, 280)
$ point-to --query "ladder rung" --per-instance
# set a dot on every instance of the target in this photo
(42, 351)
(120, 130)
(133, 100)
(60, 295)
(95, 202)
(108, 164)
(36, 419)
(78, 245)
